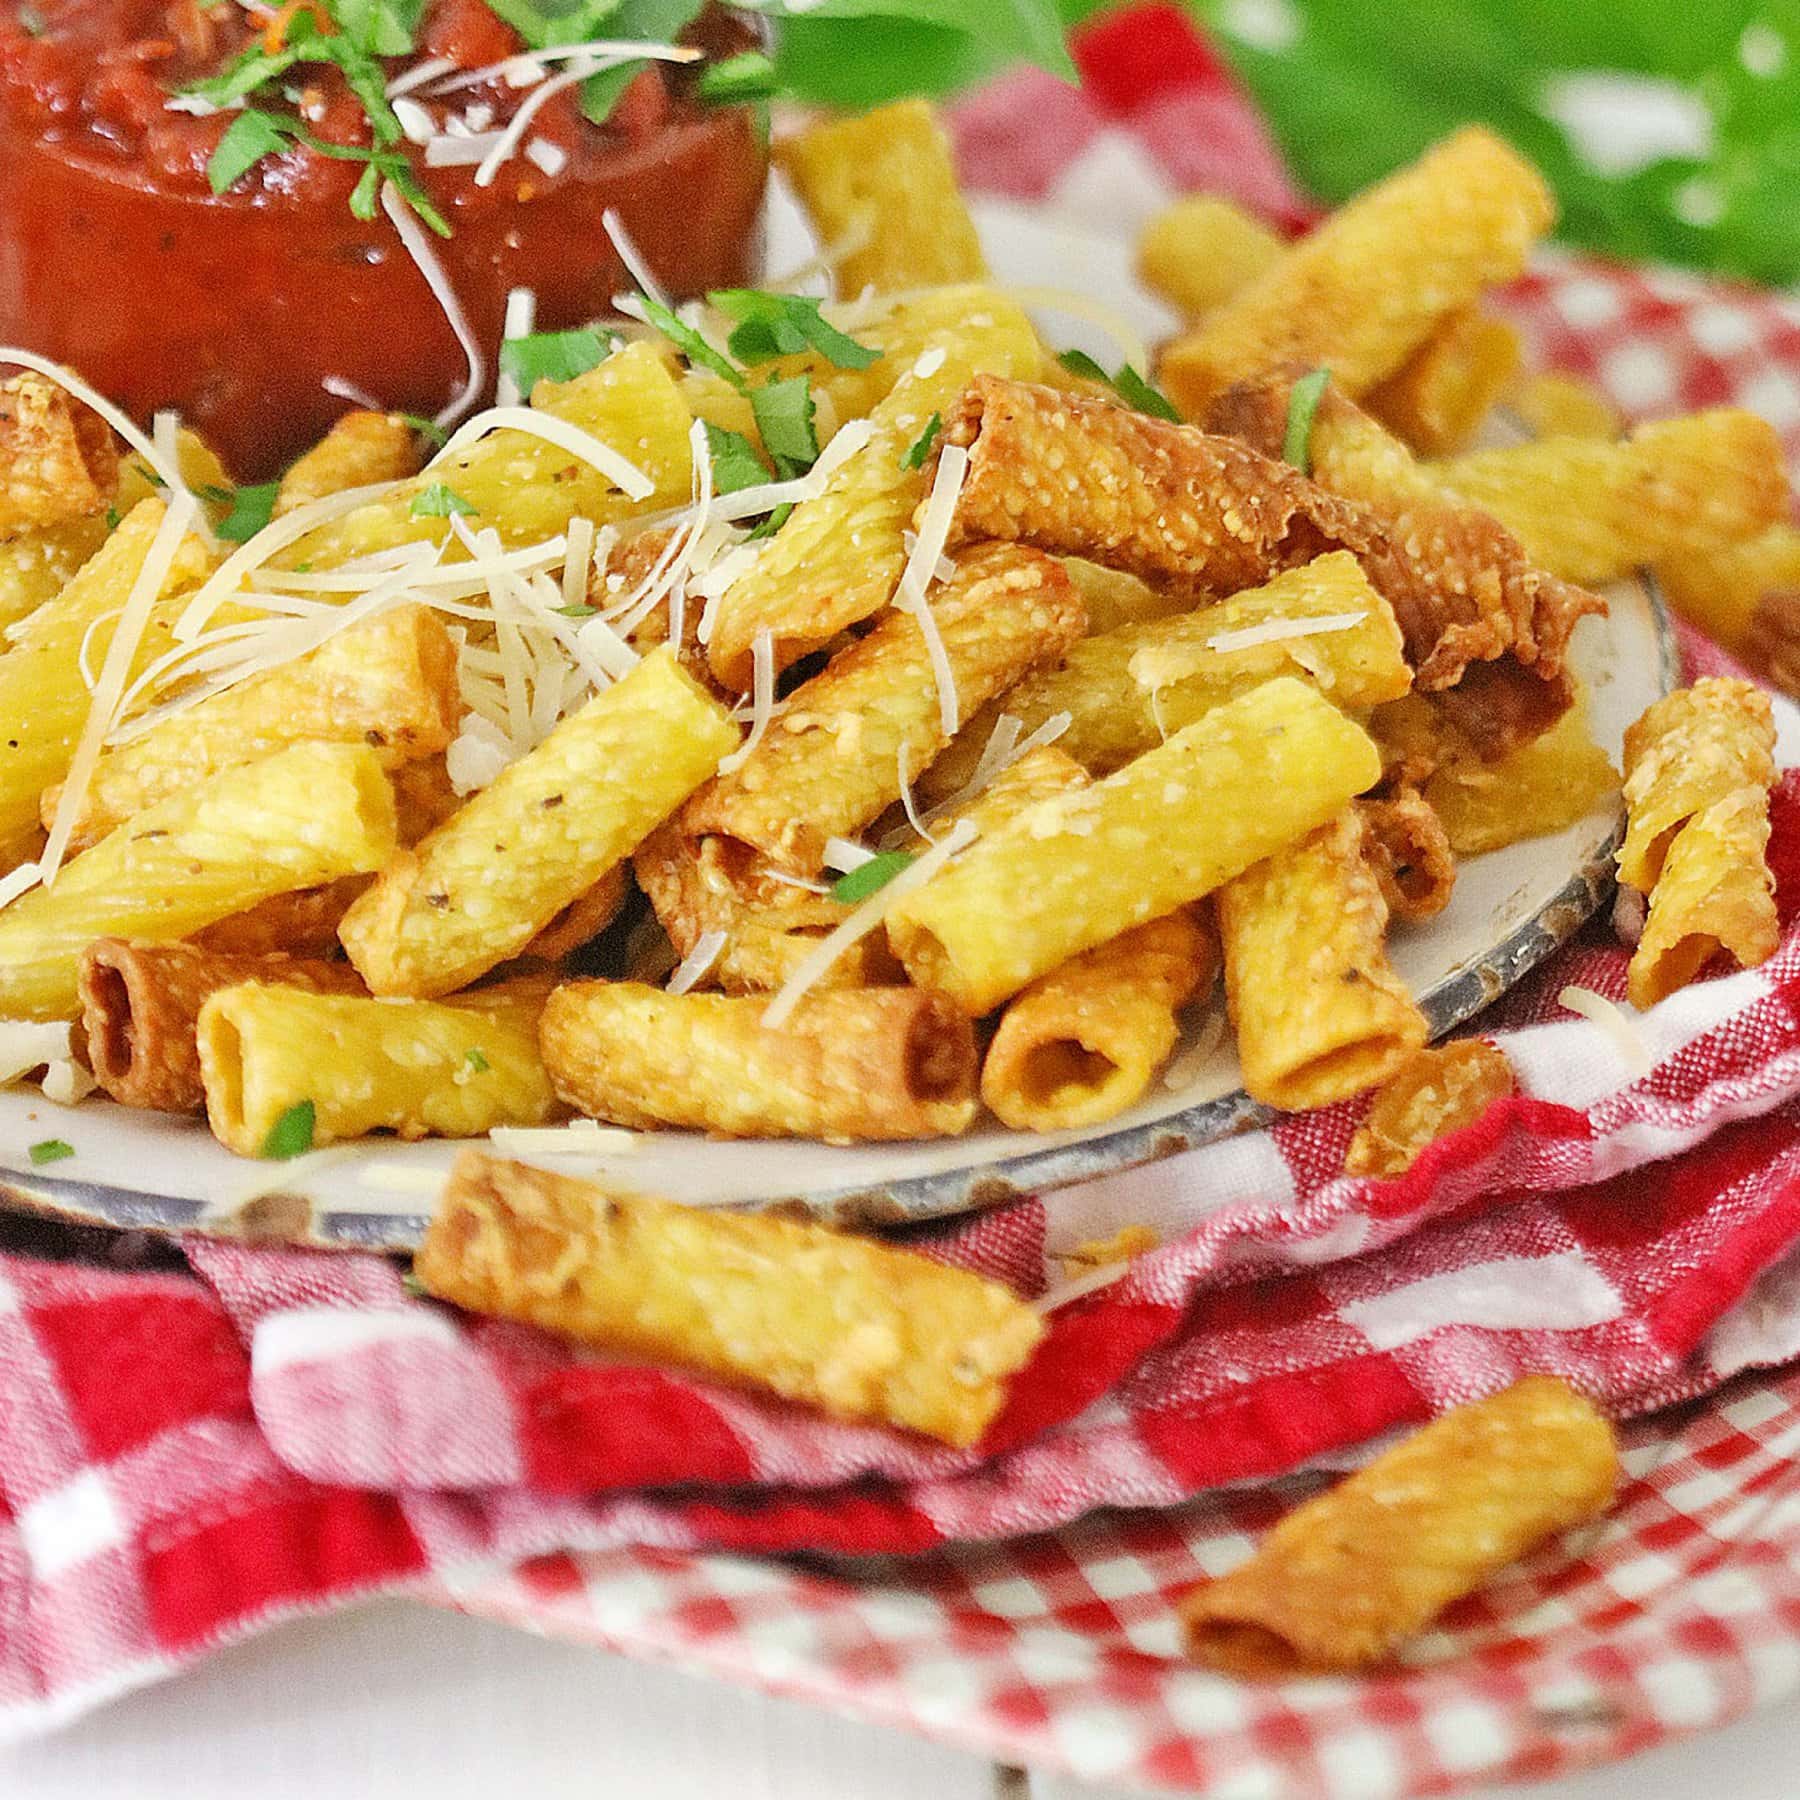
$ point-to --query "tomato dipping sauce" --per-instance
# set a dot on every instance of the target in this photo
(235, 309)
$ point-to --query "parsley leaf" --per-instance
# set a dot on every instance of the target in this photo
(870, 877)
(575, 612)
(553, 356)
(251, 510)
(1137, 393)
(749, 76)
(292, 1134)
(429, 429)
(735, 464)
(772, 524)
(784, 415)
(772, 325)
(379, 27)
(112, 518)
(249, 137)
(689, 342)
(1303, 407)
(477, 1061)
(440, 502)
(49, 1150)
(921, 445)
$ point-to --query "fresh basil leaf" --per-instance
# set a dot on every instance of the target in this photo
(748, 76)
(772, 325)
(49, 1150)
(1303, 407)
(870, 877)
(251, 510)
(251, 136)
(784, 416)
(921, 445)
(735, 464)
(440, 502)
(292, 1134)
(553, 356)
(1135, 391)
(689, 342)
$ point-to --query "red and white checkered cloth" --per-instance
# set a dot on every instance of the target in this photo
(189, 1452)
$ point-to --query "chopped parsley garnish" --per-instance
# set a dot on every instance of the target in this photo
(784, 415)
(49, 1150)
(477, 1062)
(1303, 407)
(772, 524)
(414, 1286)
(429, 429)
(249, 137)
(772, 325)
(553, 356)
(251, 509)
(440, 502)
(735, 464)
(31, 21)
(576, 612)
(689, 342)
(870, 877)
(112, 518)
(749, 76)
(292, 1134)
(921, 446)
(1137, 393)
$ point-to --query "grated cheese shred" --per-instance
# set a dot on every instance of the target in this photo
(762, 700)
(693, 968)
(1611, 1019)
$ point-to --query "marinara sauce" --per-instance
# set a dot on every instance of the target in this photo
(234, 309)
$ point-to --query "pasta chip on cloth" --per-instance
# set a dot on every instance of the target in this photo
(373, 1443)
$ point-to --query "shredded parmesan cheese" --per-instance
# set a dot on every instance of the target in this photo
(633, 258)
(67, 1083)
(547, 156)
(906, 798)
(521, 317)
(1090, 1283)
(626, 477)
(19, 881)
(921, 569)
(581, 1137)
(26, 1045)
(841, 854)
(514, 135)
(1632, 1049)
(1272, 631)
(693, 967)
(866, 918)
(416, 245)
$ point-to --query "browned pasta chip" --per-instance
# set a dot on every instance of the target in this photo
(1715, 893)
(1347, 1577)
(1474, 596)
(1204, 251)
(1438, 396)
(1082, 1043)
(583, 919)
(1371, 283)
(1554, 404)
(867, 1063)
(855, 1327)
(1434, 1092)
(767, 924)
(1690, 748)
(58, 460)
(846, 740)
(360, 449)
(140, 1004)
(1410, 852)
(301, 924)
(1319, 1011)
(1743, 594)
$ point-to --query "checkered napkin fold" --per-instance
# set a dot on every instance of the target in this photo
(187, 1454)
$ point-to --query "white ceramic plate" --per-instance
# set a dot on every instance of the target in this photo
(1510, 910)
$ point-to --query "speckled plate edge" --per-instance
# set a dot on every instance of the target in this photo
(294, 1218)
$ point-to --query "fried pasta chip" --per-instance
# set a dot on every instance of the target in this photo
(1348, 1577)
(418, 1068)
(1436, 1091)
(1182, 820)
(1592, 511)
(1125, 691)
(1369, 285)
(1698, 768)
(764, 925)
(58, 460)
(1553, 404)
(1475, 597)
(303, 924)
(1542, 787)
(1744, 595)
(881, 192)
(140, 1004)
(389, 682)
(1113, 598)
(583, 919)
(1436, 398)
(1319, 1011)
(847, 740)
(1083, 1043)
(1410, 851)
(857, 1328)
(1203, 251)
(360, 449)
(871, 1063)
